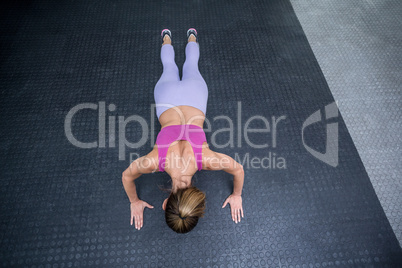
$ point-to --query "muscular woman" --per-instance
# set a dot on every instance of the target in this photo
(181, 148)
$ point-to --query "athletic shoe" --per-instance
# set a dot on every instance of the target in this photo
(166, 32)
(192, 31)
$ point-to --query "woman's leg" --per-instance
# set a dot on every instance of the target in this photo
(170, 70)
(190, 67)
(169, 79)
(196, 89)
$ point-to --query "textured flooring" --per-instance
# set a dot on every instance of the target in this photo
(65, 206)
(358, 45)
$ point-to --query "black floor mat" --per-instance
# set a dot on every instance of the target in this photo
(64, 206)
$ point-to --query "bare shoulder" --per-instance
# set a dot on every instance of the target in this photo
(212, 160)
(208, 154)
(209, 158)
(205, 149)
(152, 157)
(153, 153)
(147, 163)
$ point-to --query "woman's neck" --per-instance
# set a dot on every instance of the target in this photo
(183, 181)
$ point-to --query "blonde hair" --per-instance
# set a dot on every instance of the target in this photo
(183, 209)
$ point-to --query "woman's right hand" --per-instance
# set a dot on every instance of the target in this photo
(236, 207)
(137, 211)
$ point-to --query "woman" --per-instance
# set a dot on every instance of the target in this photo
(181, 148)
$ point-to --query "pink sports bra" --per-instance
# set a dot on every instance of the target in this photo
(191, 133)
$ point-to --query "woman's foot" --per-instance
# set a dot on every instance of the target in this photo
(192, 35)
(166, 37)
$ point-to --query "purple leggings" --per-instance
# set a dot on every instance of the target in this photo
(191, 90)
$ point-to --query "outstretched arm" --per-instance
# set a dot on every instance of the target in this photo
(217, 161)
(142, 165)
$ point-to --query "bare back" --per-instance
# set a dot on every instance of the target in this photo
(181, 115)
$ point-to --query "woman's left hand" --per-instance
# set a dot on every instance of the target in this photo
(137, 212)
(236, 207)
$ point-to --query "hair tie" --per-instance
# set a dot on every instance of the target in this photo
(183, 218)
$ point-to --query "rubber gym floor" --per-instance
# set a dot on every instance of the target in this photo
(307, 198)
